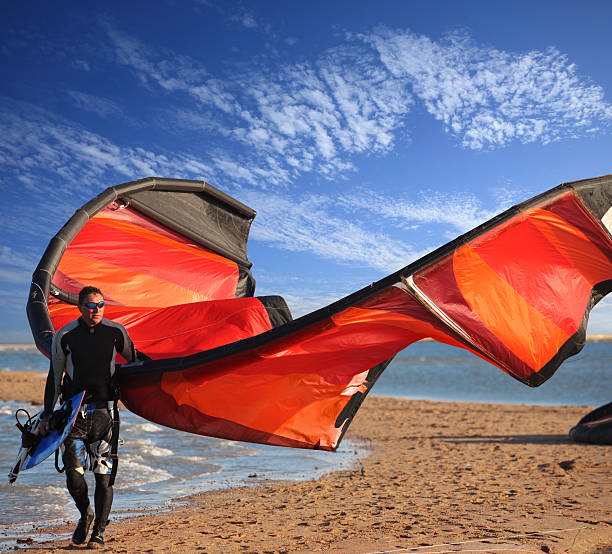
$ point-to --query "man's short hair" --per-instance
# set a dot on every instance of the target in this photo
(86, 291)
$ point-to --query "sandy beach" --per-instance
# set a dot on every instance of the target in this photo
(442, 477)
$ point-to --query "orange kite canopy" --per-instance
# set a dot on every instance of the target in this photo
(171, 258)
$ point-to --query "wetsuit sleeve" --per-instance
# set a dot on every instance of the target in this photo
(127, 349)
(54, 377)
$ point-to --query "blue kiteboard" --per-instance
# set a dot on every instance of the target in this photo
(33, 451)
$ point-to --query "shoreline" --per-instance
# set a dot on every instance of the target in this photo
(437, 473)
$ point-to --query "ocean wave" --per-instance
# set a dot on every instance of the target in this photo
(134, 474)
(239, 449)
(51, 490)
(142, 428)
(148, 447)
(9, 408)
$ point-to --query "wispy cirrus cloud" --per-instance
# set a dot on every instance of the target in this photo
(488, 97)
(320, 291)
(170, 71)
(361, 229)
(96, 104)
(35, 143)
(15, 267)
(311, 116)
(460, 212)
(356, 230)
(312, 223)
(316, 115)
(246, 19)
(60, 163)
(234, 12)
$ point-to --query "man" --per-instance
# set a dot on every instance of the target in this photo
(83, 358)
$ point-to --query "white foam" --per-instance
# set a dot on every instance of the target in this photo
(61, 491)
(158, 451)
(241, 448)
(147, 446)
(52, 507)
(131, 457)
(140, 474)
(9, 408)
(196, 459)
(143, 427)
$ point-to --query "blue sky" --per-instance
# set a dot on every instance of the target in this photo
(365, 134)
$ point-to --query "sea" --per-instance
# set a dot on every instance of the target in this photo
(159, 465)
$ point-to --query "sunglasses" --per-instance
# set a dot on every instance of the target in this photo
(93, 305)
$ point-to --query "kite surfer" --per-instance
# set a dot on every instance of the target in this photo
(83, 358)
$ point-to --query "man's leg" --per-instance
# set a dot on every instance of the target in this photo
(102, 466)
(77, 487)
(103, 500)
(73, 451)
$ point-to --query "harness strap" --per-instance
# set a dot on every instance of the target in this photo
(57, 467)
(114, 443)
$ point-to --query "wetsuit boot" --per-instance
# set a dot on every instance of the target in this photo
(103, 500)
(82, 529)
(77, 487)
(97, 535)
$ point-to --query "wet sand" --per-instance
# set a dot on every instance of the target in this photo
(24, 386)
(440, 474)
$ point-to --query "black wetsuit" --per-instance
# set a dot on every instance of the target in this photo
(83, 358)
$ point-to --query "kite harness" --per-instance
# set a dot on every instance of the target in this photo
(29, 438)
(115, 438)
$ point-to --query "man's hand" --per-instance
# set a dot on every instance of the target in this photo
(43, 427)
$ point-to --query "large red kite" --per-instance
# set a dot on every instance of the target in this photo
(170, 257)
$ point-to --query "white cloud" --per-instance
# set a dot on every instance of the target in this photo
(302, 301)
(246, 19)
(461, 211)
(350, 229)
(311, 223)
(15, 268)
(169, 71)
(62, 164)
(82, 64)
(487, 97)
(315, 114)
(305, 294)
(11, 275)
(96, 104)
(9, 257)
(35, 143)
(268, 173)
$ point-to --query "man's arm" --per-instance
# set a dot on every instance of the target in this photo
(56, 370)
(127, 349)
(54, 381)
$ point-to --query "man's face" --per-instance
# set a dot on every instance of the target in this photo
(92, 316)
